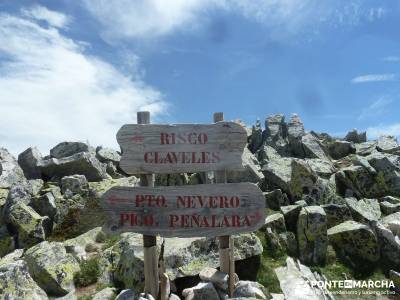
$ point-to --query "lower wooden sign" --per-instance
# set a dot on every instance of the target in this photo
(185, 211)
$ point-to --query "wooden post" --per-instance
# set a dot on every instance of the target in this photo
(151, 284)
(227, 263)
(165, 287)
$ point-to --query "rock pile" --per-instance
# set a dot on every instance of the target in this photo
(321, 192)
(330, 191)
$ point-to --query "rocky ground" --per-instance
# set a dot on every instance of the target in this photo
(333, 213)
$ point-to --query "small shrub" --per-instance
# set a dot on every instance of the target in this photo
(111, 241)
(266, 274)
(89, 273)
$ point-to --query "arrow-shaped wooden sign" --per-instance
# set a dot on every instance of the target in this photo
(181, 148)
(185, 211)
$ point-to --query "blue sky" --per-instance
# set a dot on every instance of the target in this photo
(78, 70)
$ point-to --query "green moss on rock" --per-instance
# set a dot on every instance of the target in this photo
(16, 282)
(52, 268)
(7, 243)
(31, 227)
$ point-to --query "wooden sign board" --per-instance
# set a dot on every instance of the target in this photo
(151, 148)
(185, 211)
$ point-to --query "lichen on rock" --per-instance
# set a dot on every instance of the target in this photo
(52, 267)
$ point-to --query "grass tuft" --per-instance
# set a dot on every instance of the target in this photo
(89, 272)
(270, 260)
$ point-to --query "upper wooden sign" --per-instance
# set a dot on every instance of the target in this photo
(180, 148)
(185, 211)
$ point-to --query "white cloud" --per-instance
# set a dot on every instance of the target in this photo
(377, 131)
(374, 78)
(376, 108)
(126, 18)
(51, 90)
(153, 18)
(41, 13)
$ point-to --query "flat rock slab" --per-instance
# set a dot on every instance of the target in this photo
(83, 163)
(365, 210)
(66, 149)
(355, 239)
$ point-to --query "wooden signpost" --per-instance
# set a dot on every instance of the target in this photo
(185, 211)
(227, 261)
(151, 276)
(181, 148)
(210, 210)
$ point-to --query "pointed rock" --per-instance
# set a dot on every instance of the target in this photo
(256, 138)
(296, 131)
(10, 172)
(295, 281)
(356, 137)
(275, 127)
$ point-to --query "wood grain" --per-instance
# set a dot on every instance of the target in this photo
(241, 209)
(151, 284)
(197, 147)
